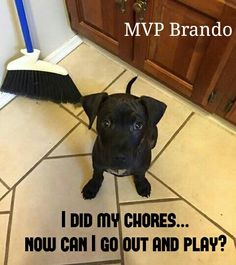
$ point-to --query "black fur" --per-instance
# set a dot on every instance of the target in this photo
(126, 127)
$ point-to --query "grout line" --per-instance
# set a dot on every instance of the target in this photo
(120, 226)
(78, 115)
(86, 124)
(110, 84)
(195, 208)
(42, 158)
(9, 228)
(54, 147)
(68, 111)
(97, 262)
(172, 138)
(114, 80)
(78, 118)
(4, 195)
(107, 87)
(151, 201)
(67, 156)
(4, 184)
(5, 212)
(163, 88)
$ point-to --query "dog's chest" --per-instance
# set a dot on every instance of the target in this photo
(118, 172)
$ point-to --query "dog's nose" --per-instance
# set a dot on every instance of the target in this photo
(120, 158)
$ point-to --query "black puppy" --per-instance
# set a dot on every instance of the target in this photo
(126, 128)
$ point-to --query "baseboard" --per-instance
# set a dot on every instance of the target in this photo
(55, 57)
(5, 98)
(64, 50)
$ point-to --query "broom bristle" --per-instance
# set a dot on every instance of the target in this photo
(41, 85)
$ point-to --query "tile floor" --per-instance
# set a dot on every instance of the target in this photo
(45, 161)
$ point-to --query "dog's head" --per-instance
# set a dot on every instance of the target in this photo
(123, 123)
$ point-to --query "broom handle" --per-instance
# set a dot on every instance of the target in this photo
(24, 25)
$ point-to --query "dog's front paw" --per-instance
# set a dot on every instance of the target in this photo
(90, 190)
(143, 187)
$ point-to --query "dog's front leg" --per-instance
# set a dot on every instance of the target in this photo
(91, 189)
(142, 185)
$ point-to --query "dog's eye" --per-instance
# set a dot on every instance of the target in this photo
(138, 125)
(106, 123)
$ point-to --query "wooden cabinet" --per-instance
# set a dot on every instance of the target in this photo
(231, 116)
(225, 91)
(102, 21)
(174, 60)
(198, 67)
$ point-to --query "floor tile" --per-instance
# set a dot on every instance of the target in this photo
(3, 189)
(3, 235)
(127, 191)
(30, 129)
(5, 203)
(91, 71)
(80, 141)
(74, 109)
(200, 165)
(55, 185)
(174, 117)
(198, 227)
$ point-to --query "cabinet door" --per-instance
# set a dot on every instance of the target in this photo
(231, 116)
(175, 60)
(219, 67)
(227, 107)
(102, 22)
(225, 90)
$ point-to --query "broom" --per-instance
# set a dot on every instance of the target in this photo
(28, 76)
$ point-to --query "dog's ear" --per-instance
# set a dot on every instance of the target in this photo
(155, 109)
(91, 104)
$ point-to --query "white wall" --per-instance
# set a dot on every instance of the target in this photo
(49, 27)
